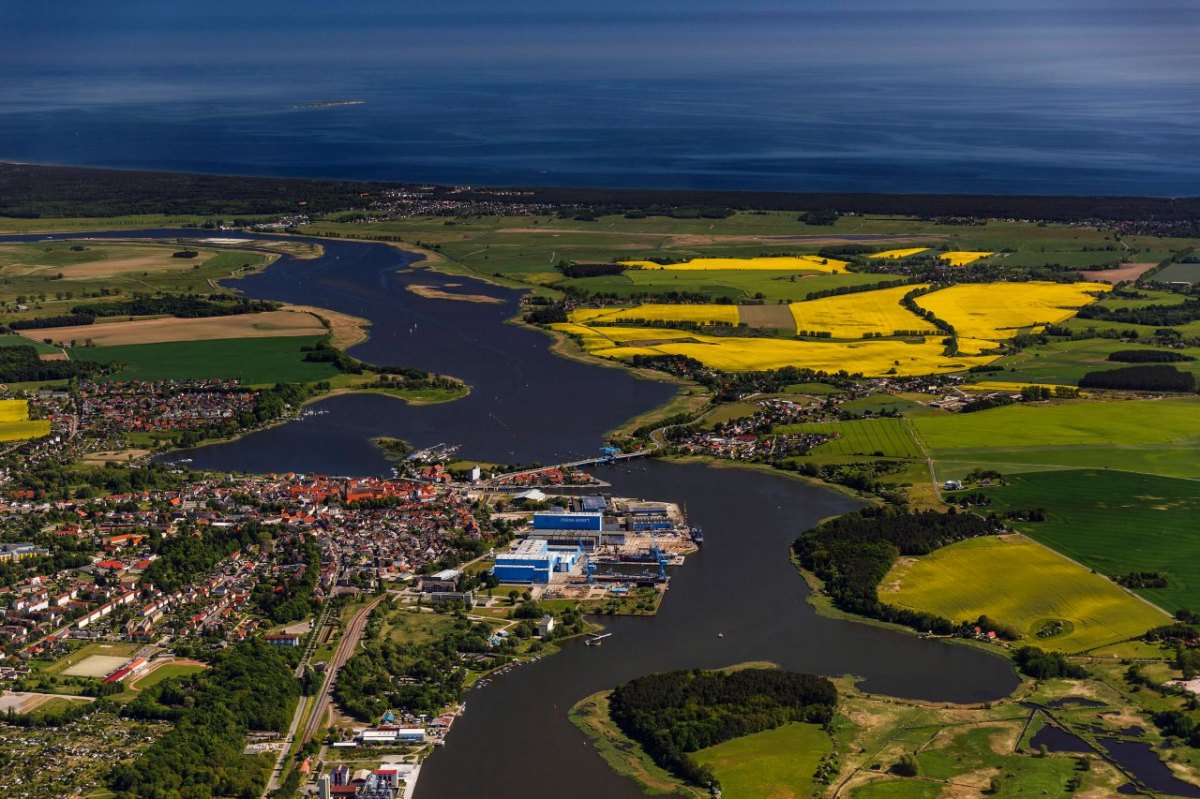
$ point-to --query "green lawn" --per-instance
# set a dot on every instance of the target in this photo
(1152, 436)
(166, 672)
(253, 361)
(884, 437)
(773, 764)
(1021, 584)
(1116, 523)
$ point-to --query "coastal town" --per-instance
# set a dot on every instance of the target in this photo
(117, 585)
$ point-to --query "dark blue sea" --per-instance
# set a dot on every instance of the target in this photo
(1012, 96)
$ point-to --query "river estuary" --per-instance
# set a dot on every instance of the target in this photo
(738, 599)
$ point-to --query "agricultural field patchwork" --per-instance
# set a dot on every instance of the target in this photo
(15, 424)
(867, 313)
(1050, 600)
(798, 263)
(984, 314)
(1116, 523)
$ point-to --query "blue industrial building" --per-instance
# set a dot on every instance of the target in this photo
(533, 561)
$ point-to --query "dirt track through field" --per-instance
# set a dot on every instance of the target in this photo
(269, 324)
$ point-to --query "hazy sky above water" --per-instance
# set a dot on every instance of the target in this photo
(859, 94)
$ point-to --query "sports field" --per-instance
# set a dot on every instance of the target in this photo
(254, 361)
(151, 331)
(800, 263)
(1151, 436)
(886, 437)
(860, 314)
(1024, 585)
(773, 764)
(95, 666)
(1116, 523)
(985, 313)
(15, 424)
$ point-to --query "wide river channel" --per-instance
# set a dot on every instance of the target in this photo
(738, 599)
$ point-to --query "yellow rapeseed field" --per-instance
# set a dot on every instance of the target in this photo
(873, 357)
(986, 313)
(14, 410)
(15, 423)
(651, 312)
(855, 315)
(800, 263)
(893, 254)
(963, 257)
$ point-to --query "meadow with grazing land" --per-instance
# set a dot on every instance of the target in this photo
(772, 764)
(1021, 584)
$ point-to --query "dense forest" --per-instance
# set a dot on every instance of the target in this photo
(249, 687)
(853, 553)
(1158, 377)
(678, 712)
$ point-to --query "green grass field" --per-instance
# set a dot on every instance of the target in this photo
(166, 672)
(886, 437)
(1024, 585)
(1150, 436)
(773, 764)
(253, 361)
(1116, 523)
(1063, 363)
(1180, 273)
